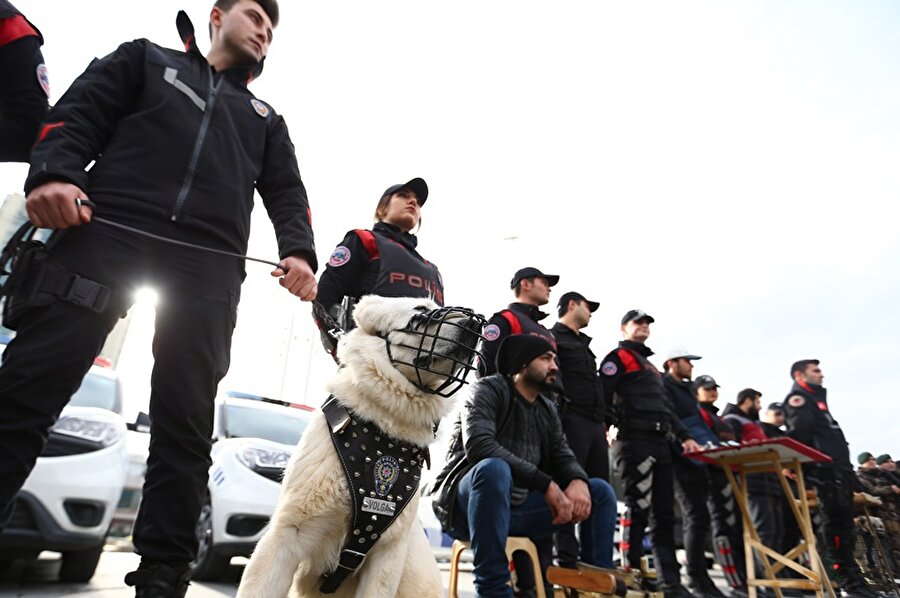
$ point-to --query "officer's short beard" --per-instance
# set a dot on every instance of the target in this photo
(534, 378)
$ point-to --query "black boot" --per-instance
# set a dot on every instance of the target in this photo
(856, 587)
(704, 588)
(156, 580)
(675, 590)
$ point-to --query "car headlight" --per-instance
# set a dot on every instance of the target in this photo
(264, 461)
(95, 429)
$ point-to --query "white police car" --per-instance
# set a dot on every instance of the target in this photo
(68, 500)
(254, 438)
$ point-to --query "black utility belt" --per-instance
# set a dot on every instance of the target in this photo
(646, 425)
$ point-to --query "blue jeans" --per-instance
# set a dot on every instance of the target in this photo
(484, 516)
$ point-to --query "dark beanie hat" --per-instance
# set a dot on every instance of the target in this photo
(863, 457)
(882, 459)
(518, 350)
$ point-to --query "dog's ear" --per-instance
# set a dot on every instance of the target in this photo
(377, 316)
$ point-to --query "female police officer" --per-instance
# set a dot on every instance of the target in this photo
(382, 261)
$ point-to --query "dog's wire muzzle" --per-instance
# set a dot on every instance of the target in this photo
(437, 343)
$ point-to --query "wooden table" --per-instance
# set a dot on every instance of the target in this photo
(774, 456)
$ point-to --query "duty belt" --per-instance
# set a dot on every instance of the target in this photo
(643, 425)
(382, 474)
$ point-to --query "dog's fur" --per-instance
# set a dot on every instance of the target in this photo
(308, 528)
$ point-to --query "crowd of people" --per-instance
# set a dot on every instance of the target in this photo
(178, 143)
(879, 478)
(543, 404)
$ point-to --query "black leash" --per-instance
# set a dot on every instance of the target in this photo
(86, 202)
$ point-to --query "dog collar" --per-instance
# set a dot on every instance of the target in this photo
(382, 474)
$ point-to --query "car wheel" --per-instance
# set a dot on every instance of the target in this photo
(208, 566)
(80, 565)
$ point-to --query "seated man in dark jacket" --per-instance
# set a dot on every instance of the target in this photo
(510, 472)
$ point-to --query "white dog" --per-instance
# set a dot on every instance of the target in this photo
(401, 353)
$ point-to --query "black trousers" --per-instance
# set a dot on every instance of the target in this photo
(587, 439)
(766, 515)
(23, 103)
(835, 493)
(644, 463)
(56, 345)
(707, 505)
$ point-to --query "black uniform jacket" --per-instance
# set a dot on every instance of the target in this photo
(633, 389)
(178, 148)
(496, 422)
(809, 421)
(584, 392)
(498, 328)
(24, 84)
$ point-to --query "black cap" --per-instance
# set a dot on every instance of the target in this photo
(530, 272)
(518, 350)
(705, 381)
(417, 185)
(775, 407)
(563, 304)
(800, 366)
(636, 314)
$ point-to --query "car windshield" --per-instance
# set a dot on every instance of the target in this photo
(96, 391)
(282, 425)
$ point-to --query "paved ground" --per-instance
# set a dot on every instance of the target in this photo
(37, 580)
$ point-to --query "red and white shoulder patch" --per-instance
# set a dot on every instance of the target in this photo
(796, 401)
(609, 368)
(491, 332)
(43, 78)
(339, 257)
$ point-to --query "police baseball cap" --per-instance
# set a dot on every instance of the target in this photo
(864, 456)
(882, 459)
(563, 304)
(530, 272)
(705, 381)
(775, 407)
(417, 185)
(636, 314)
(679, 353)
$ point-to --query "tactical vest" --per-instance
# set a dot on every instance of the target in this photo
(401, 271)
(520, 323)
(641, 388)
(382, 475)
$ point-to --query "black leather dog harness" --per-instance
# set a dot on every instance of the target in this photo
(382, 475)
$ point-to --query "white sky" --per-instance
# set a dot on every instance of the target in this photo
(728, 167)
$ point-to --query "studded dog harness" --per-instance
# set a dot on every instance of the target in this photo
(382, 474)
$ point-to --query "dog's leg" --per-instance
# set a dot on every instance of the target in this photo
(381, 571)
(421, 576)
(273, 564)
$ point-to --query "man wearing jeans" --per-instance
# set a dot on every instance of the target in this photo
(510, 472)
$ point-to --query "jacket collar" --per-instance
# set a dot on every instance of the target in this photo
(709, 407)
(636, 347)
(529, 310)
(392, 231)
(242, 75)
(561, 328)
(810, 390)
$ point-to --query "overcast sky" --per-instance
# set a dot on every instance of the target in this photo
(731, 168)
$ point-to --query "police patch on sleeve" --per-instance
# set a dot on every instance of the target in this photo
(609, 369)
(796, 401)
(491, 332)
(260, 108)
(43, 78)
(339, 257)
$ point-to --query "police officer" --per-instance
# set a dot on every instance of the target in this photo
(179, 143)
(634, 391)
(532, 290)
(809, 420)
(584, 409)
(382, 261)
(694, 481)
(24, 86)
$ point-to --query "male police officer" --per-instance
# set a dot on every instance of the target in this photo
(695, 489)
(634, 390)
(809, 420)
(179, 144)
(24, 86)
(532, 290)
(584, 409)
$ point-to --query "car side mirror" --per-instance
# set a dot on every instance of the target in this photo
(141, 424)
